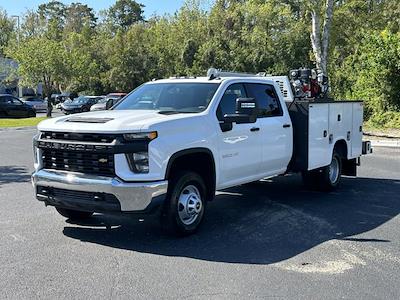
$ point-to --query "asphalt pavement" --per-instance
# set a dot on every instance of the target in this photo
(271, 239)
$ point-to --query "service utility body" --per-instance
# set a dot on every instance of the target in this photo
(170, 144)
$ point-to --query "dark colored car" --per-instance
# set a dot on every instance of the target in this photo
(39, 105)
(80, 104)
(14, 108)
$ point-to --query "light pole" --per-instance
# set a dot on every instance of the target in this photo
(18, 28)
(18, 32)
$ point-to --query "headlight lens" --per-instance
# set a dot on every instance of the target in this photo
(139, 162)
(35, 154)
(140, 136)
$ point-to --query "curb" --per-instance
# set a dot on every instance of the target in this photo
(379, 135)
(385, 143)
(18, 128)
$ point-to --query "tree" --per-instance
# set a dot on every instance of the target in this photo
(320, 40)
(79, 16)
(53, 13)
(44, 64)
(82, 64)
(124, 13)
(6, 30)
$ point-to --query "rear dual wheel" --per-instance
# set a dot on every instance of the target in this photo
(327, 178)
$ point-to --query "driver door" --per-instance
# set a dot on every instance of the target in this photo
(240, 151)
(14, 106)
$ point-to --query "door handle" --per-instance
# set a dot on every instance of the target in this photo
(286, 125)
(255, 129)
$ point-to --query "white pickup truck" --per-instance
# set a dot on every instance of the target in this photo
(170, 144)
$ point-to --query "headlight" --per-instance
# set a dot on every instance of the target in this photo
(35, 149)
(138, 162)
(140, 136)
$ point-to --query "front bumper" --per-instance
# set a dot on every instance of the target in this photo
(132, 197)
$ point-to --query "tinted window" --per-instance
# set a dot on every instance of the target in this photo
(12, 100)
(267, 99)
(179, 97)
(228, 101)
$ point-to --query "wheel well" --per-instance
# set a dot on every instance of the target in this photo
(198, 160)
(341, 148)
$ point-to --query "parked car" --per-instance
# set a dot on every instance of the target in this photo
(109, 101)
(39, 105)
(13, 107)
(80, 104)
(58, 99)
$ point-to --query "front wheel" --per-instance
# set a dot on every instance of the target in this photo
(185, 204)
(74, 214)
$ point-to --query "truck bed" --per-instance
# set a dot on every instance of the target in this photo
(318, 125)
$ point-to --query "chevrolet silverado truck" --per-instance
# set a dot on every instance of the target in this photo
(170, 144)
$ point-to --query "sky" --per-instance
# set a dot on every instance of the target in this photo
(18, 7)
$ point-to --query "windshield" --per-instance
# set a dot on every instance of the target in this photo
(102, 100)
(173, 97)
(80, 100)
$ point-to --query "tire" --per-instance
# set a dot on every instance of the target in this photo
(74, 214)
(330, 176)
(185, 205)
(311, 179)
(85, 109)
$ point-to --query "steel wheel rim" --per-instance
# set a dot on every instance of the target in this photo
(334, 170)
(189, 204)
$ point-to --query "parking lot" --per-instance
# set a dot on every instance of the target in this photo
(270, 239)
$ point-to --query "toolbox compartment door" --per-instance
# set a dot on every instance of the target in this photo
(357, 134)
(318, 137)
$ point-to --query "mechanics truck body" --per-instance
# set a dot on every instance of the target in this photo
(170, 144)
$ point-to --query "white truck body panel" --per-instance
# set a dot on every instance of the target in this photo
(318, 144)
(356, 133)
(342, 121)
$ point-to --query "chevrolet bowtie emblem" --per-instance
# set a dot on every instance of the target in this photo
(103, 160)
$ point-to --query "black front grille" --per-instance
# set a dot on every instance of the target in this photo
(83, 162)
(81, 137)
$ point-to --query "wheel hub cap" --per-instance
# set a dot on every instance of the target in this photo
(189, 205)
(334, 170)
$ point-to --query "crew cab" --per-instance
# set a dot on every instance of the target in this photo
(170, 144)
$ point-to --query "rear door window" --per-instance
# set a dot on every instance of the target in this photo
(267, 99)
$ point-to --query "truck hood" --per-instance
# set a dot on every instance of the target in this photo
(107, 121)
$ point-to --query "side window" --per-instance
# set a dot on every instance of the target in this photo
(13, 100)
(267, 99)
(227, 105)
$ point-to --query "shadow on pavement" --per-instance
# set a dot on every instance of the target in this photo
(12, 174)
(260, 223)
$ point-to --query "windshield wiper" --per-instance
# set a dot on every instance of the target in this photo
(174, 112)
(169, 112)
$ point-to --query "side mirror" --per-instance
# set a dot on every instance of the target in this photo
(246, 112)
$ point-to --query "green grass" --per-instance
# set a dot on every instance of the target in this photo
(20, 122)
